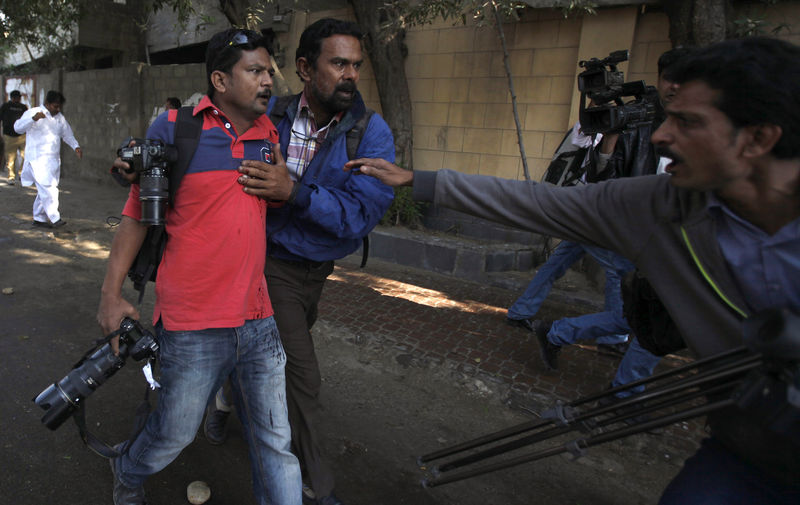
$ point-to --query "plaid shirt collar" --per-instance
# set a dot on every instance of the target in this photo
(305, 138)
(309, 125)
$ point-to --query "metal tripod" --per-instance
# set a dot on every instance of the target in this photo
(762, 374)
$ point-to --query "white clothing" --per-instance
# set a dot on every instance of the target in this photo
(43, 144)
(42, 158)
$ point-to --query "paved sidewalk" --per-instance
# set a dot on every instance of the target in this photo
(430, 320)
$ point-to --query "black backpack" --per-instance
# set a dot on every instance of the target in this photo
(187, 136)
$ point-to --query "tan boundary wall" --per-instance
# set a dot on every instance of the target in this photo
(463, 116)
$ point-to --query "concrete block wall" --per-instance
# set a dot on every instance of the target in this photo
(462, 113)
(106, 106)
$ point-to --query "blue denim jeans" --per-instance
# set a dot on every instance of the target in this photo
(638, 363)
(193, 366)
(607, 327)
(563, 257)
(716, 476)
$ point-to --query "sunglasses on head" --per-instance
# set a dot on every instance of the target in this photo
(243, 38)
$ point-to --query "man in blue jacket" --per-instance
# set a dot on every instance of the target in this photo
(325, 213)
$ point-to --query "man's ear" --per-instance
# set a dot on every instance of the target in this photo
(303, 69)
(219, 80)
(762, 139)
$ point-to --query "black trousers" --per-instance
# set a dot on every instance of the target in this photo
(294, 290)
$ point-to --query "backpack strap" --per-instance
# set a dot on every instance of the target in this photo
(356, 133)
(187, 136)
(352, 141)
(188, 128)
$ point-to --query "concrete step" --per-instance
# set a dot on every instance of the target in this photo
(507, 265)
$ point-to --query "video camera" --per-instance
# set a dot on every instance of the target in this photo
(152, 160)
(60, 400)
(602, 83)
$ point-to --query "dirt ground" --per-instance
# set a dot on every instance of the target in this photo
(379, 415)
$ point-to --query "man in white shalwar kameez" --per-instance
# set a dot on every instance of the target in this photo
(45, 127)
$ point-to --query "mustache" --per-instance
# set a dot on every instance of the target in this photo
(265, 94)
(666, 152)
(346, 87)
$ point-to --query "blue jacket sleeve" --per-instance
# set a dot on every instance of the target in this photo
(347, 204)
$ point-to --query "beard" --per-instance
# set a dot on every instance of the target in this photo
(336, 102)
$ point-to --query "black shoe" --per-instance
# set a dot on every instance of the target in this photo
(216, 425)
(525, 324)
(613, 349)
(124, 495)
(549, 351)
(41, 224)
(58, 224)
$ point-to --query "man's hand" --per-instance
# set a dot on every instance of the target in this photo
(112, 310)
(39, 115)
(79, 153)
(270, 182)
(386, 172)
(124, 170)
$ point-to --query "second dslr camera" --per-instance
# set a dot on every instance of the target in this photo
(151, 159)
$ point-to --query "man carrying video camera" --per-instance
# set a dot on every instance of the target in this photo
(719, 239)
(622, 149)
(213, 313)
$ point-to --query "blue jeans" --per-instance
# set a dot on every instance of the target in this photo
(716, 476)
(638, 363)
(193, 366)
(563, 257)
(607, 327)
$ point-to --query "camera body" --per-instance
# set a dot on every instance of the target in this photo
(602, 83)
(152, 159)
(61, 399)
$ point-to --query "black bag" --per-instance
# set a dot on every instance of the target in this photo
(187, 136)
(648, 318)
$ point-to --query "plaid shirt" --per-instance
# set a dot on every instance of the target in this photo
(306, 138)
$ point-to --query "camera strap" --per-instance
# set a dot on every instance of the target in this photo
(104, 449)
(79, 416)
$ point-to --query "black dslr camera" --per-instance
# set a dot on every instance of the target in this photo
(60, 400)
(604, 85)
(152, 160)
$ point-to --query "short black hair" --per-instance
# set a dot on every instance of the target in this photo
(15, 94)
(54, 96)
(758, 82)
(671, 57)
(174, 101)
(311, 40)
(223, 52)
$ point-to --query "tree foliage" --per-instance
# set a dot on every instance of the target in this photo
(43, 25)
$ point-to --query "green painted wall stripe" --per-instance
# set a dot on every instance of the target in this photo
(708, 277)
